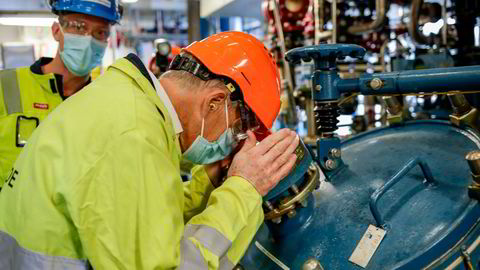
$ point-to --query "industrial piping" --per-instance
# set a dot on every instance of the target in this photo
(380, 7)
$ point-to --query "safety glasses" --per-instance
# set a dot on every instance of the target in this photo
(246, 121)
(82, 28)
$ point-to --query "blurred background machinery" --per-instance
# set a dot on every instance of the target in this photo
(398, 35)
(26, 25)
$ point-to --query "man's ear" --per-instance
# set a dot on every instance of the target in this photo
(56, 31)
(215, 99)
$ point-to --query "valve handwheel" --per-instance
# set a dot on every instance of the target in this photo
(324, 55)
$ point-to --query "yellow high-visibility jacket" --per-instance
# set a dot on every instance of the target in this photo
(99, 184)
(27, 96)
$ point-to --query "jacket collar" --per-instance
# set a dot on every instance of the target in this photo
(167, 102)
(49, 82)
(37, 66)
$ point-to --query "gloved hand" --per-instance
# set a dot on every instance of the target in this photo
(266, 163)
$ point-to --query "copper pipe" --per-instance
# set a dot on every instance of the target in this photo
(473, 158)
(382, 55)
(416, 35)
(318, 12)
(310, 117)
(459, 103)
(445, 25)
(286, 65)
(393, 105)
(334, 21)
(381, 11)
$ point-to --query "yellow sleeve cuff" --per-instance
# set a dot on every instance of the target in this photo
(200, 176)
(196, 192)
(230, 207)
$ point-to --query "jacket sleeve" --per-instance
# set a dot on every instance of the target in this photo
(128, 212)
(196, 192)
(224, 230)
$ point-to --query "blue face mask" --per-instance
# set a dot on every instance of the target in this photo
(205, 152)
(81, 54)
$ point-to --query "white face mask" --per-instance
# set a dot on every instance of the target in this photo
(204, 152)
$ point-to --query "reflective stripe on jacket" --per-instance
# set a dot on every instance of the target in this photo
(26, 98)
(99, 183)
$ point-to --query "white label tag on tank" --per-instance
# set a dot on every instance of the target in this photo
(367, 246)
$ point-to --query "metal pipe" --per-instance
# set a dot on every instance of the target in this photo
(459, 103)
(319, 14)
(316, 21)
(445, 25)
(268, 205)
(473, 159)
(382, 55)
(380, 10)
(310, 117)
(334, 21)
(435, 80)
(319, 19)
(359, 68)
(193, 15)
(288, 72)
(393, 105)
(413, 24)
(369, 110)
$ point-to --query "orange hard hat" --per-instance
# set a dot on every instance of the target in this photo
(245, 60)
(175, 50)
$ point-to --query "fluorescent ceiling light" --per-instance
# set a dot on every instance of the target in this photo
(27, 21)
(129, 1)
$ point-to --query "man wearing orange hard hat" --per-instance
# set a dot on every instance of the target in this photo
(105, 165)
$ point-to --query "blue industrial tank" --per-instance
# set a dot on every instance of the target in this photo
(429, 219)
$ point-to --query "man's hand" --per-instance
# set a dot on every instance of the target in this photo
(265, 164)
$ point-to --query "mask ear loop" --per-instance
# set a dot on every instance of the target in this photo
(226, 110)
(61, 28)
(203, 125)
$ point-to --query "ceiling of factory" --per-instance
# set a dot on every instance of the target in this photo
(159, 4)
(242, 8)
(226, 8)
(41, 5)
(23, 5)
